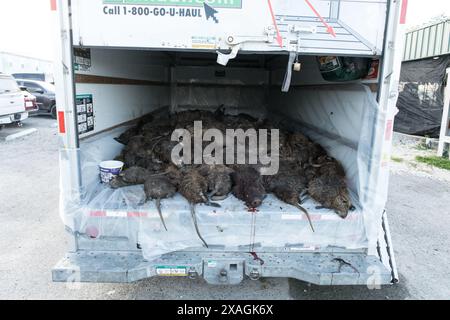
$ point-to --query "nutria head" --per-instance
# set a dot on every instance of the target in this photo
(254, 196)
(342, 203)
(248, 186)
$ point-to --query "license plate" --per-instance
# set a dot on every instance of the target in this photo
(165, 271)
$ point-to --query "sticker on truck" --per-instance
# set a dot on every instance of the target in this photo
(169, 271)
(201, 42)
(85, 113)
(230, 4)
(82, 59)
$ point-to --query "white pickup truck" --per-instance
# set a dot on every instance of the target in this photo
(12, 101)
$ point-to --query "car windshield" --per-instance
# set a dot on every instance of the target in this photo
(47, 86)
(8, 85)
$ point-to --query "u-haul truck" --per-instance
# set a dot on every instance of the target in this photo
(119, 60)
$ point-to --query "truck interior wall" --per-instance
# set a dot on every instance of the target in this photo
(340, 117)
(117, 104)
(125, 86)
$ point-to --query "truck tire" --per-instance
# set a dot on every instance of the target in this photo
(53, 111)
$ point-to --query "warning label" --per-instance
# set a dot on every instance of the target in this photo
(85, 113)
(82, 59)
(199, 42)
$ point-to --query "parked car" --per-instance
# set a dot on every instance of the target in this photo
(12, 101)
(30, 101)
(44, 92)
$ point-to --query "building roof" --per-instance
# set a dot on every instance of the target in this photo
(23, 56)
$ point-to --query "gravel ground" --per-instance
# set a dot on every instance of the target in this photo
(32, 237)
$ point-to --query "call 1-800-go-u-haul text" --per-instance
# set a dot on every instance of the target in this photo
(154, 11)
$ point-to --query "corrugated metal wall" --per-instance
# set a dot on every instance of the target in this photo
(430, 41)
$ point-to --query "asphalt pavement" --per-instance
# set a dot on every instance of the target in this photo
(32, 238)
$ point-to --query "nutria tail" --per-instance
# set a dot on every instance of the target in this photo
(158, 207)
(307, 216)
(194, 219)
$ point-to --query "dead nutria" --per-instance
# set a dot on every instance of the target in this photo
(316, 150)
(193, 187)
(157, 188)
(162, 149)
(302, 149)
(332, 193)
(321, 166)
(135, 144)
(135, 175)
(130, 177)
(174, 174)
(298, 139)
(329, 166)
(219, 181)
(134, 152)
(153, 130)
(117, 183)
(125, 137)
(288, 187)
(248, 185)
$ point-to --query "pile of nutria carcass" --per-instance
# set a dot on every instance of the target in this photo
(305, 169)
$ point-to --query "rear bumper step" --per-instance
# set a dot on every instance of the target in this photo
(225, 268)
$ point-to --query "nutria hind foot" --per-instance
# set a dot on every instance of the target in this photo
(213, 204)
(219, 198)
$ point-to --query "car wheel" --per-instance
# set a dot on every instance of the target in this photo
(53, 112)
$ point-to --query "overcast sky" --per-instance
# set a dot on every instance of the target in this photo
(26, 25)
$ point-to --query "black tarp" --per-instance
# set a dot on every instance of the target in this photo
(421, 98)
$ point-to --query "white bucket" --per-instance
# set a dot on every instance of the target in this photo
(110, 169)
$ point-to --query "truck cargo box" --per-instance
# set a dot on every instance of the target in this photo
(119, 61)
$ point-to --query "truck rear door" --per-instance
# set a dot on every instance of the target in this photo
(319, 27)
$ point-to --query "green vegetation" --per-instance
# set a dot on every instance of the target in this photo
(397, 159)
(421, 146)
(435, 162)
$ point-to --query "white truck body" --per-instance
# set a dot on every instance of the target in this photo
(12, 101)
(121, 59)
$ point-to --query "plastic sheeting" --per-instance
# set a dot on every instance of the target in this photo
(421, 98)
(345, 120)
(342, 119)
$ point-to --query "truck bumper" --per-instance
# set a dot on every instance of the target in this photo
(332, 266)
(21, 116)
(225, 268)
